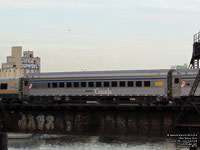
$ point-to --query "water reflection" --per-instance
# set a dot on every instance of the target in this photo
(54, 142)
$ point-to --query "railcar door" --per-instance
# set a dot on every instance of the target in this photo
(25, 89)
(176, 87)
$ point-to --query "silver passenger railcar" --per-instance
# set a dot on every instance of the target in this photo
(10, 89)
(126, 85)
(182, 83)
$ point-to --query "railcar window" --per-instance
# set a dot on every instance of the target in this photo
(106, 84)
(76, 84)
(114, 83)
(69, 85)
(4, 86)
(49, 85)
(38, 85)
(26, 83)
(176, 80)
(147, 83)
(61, 84)
(83, 84)
(90, 84)
(54, 85)
(122, 84)
(138, 83)
(98, 84)
(130, 84)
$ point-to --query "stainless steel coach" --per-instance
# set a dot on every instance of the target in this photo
(141, 86)
(102, 85)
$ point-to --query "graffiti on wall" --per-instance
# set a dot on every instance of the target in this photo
(29, 63)
(39, 122)
(8, 66)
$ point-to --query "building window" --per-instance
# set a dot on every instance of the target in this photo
(130, 84)
(106, 84)
(147, 83)
(114, 83)
(122, 84)
(138, 83)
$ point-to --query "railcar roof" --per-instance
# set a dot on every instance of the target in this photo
(98, 73)
(185, 72)
(10, 78)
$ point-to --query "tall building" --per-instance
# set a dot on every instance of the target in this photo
(18, 65)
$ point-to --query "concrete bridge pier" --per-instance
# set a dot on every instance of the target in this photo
(3, 141)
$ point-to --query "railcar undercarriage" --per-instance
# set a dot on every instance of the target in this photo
(97, 100)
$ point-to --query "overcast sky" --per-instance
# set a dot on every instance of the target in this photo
(70, 35)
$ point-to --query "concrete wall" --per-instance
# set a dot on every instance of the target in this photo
(14, 72)
(38, 61)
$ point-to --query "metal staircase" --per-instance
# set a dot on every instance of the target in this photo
(190, 101)
(194, 64)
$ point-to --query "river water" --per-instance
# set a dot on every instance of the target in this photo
(53, 142)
